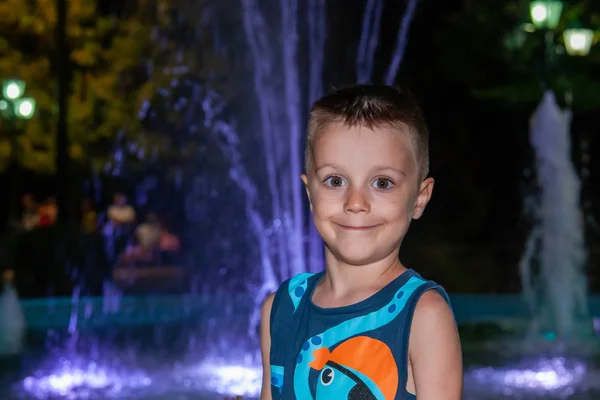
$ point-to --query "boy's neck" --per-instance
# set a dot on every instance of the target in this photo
(341, 279)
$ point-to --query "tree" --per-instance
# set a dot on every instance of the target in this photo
(104, 56)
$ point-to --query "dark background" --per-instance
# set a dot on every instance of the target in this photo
(477, 95)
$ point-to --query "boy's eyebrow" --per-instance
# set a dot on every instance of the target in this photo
(327, 165)
(375, 168)
(388, 168)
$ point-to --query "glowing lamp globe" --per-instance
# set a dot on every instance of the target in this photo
(25, 108)
(12, 90)
(578, 41)
(545, 14)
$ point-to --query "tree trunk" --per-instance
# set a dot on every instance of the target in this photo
(62, 141)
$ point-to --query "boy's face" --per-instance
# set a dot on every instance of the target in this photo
(364, 190)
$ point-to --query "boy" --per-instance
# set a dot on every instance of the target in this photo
(367, 327)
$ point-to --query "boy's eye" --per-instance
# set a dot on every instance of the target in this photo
(382, 183)
(335, 181)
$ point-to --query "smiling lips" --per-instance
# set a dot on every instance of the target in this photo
(357, 228)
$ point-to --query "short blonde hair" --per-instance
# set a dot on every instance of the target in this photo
(372, 106)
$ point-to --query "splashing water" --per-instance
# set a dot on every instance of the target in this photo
(232, 379)
(552, 268)
(76, 377)
(542, 378)
(280, 112)
(81, 379)
(401, 42)
(369, 40)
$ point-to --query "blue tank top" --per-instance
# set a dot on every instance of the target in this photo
(355, 352)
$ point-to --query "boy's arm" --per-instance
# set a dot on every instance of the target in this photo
(434, 350)
(265, 346)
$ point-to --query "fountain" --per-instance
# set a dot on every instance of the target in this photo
(555, 360)
(297, 251)
(553, 265)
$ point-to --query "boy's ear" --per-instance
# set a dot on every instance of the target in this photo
(305, 181)
(423, 197)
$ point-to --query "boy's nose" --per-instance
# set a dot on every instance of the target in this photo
(356, 202)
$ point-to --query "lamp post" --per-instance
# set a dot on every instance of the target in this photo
(13, 107)
(545, 16)
(62, 137)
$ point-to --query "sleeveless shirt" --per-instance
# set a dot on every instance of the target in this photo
(355, 352)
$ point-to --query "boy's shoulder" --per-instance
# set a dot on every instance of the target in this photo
(430, 289)
(295, 288)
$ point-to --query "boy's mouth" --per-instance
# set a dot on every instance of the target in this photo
(357, 228)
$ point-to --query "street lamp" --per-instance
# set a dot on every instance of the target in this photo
(13, 104)
(24, 108)
(545, 14)
(578, 41)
